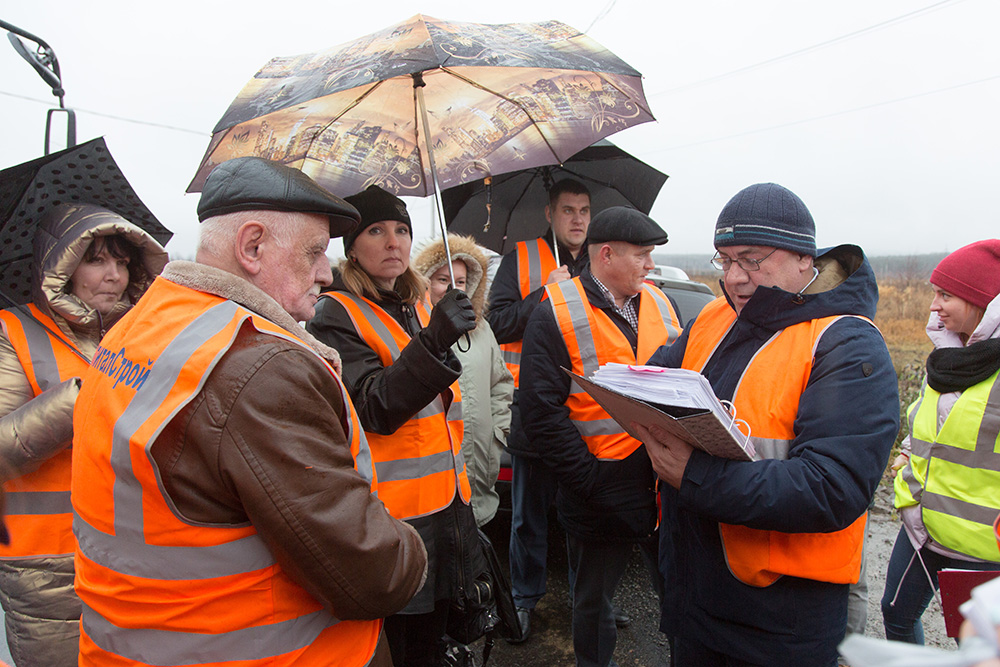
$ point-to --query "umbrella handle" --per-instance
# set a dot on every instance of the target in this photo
(468, 343)
(418, 92)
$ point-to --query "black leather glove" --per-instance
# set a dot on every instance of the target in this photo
(452, 316)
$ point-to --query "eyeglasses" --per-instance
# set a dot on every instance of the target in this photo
(723, 263)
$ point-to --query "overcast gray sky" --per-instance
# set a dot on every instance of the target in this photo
(887, 129)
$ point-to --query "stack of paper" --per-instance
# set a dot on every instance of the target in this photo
(680, 395)
(668, 386)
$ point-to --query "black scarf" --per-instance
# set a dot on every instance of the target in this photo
(958, 368)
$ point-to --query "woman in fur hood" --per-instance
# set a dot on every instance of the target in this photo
(486, 384)
(90, 267)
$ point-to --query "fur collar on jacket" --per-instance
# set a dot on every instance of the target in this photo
(215, 281)
(463, 248)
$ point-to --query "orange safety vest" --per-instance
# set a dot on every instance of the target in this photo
(535, 262)
(420, 465)
(157, 589)
(39, 515)
(767, 397)
(592, 339)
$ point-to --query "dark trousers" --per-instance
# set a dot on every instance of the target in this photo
(596, 569)
(533, 490)
(908, 590)
(417, 640)
(691, 653)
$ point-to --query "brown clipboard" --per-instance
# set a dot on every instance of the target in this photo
(701, 430)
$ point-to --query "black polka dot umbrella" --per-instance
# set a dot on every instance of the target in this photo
(82, 174)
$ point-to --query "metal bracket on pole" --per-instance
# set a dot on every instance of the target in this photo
(70, 128)
(44, 61)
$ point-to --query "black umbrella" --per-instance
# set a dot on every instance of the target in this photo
(511, 207)
(82, 174)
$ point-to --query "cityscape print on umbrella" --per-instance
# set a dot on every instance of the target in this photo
(499, 98)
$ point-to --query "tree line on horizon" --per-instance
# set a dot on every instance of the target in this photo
(904, 267)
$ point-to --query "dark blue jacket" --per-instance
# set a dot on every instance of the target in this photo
(847, 422)
(597, 500)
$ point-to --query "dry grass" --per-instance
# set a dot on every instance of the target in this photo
(903, 308)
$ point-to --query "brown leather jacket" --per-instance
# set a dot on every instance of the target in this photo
(265, 442)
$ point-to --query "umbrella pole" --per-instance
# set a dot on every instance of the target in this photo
(418, 91)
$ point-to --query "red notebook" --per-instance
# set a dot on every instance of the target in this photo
(956, 588)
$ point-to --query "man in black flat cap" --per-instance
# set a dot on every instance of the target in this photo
(607, 498)
(216, 447)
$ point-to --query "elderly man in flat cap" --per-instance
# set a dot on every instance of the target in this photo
(221, 480)
(607, 499)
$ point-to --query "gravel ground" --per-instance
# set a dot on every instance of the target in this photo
(882, 531)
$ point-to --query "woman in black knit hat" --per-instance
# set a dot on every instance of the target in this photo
(402, 377)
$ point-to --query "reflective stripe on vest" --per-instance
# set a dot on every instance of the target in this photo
(593, 339)
(954, 472)
(39, 515)
(156, 589)
(535, 262)
(420, 465)
(767, 397)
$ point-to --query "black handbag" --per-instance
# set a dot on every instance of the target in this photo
(485, 607)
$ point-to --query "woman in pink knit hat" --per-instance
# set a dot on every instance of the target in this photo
(948, 484)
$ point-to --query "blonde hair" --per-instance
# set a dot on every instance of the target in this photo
(410, 286)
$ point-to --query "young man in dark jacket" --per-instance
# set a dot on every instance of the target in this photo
(759, 555)
(517, 290)
(607, 497)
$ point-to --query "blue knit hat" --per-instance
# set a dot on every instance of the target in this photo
(769, 215)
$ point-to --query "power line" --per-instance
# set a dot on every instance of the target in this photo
(830, 42)
(111, 116)
(829, 115)
(604, 12)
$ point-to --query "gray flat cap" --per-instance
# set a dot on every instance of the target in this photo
(624, 223)
(256, 184)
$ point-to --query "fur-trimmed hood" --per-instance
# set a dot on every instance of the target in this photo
(431, 257)
(62, 239)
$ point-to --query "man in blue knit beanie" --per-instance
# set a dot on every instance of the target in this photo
(758, 555)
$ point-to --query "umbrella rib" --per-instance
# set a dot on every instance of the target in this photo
(646, 109)
(534, 123)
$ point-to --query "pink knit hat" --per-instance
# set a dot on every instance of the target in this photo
(971, 273)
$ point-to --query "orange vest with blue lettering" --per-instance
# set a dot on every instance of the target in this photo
(767, 398)
(158, 590)
(420, 466)
(535, 261)
(593, 339)
(39, 515)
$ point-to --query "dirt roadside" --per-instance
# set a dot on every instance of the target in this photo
(641, 644)
(883, 528)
